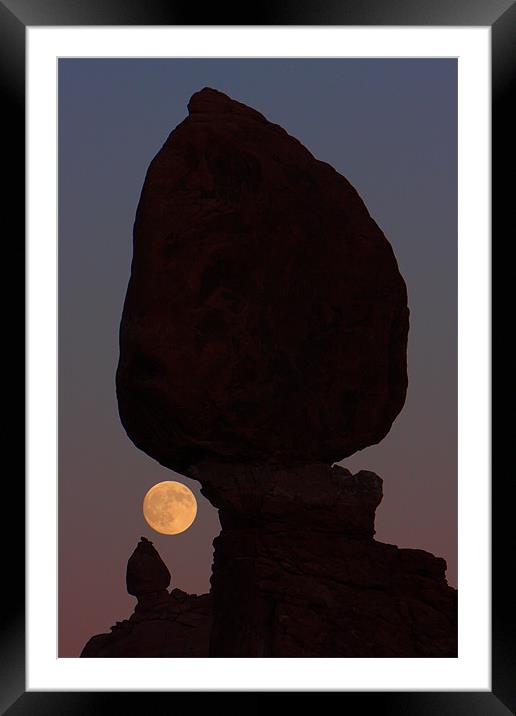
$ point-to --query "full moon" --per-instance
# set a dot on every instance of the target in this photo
(169, 507)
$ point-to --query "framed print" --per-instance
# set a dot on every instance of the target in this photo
(246, 236)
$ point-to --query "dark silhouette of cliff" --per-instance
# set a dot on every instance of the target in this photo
(263, 338)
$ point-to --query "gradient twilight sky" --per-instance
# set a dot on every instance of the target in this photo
(388, 125)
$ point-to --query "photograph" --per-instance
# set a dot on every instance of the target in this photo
(257, 357)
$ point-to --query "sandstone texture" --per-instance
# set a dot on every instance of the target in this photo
(265, 319)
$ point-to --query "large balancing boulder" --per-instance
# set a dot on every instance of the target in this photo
(265, 319)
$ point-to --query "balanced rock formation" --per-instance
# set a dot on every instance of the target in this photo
(264, 338)
(265, 319)
(162, 625)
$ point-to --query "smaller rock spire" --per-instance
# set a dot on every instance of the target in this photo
(146, 571)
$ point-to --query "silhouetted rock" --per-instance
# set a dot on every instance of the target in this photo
(162, 625)
(297, 572)
(265, 318)
(264, 337)
(146, 572)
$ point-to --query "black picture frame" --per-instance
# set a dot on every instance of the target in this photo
(15, 16)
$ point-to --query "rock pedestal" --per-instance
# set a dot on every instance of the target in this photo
(297, 572)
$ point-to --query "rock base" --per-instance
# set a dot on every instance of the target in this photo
(176, 626)
(296, 573)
